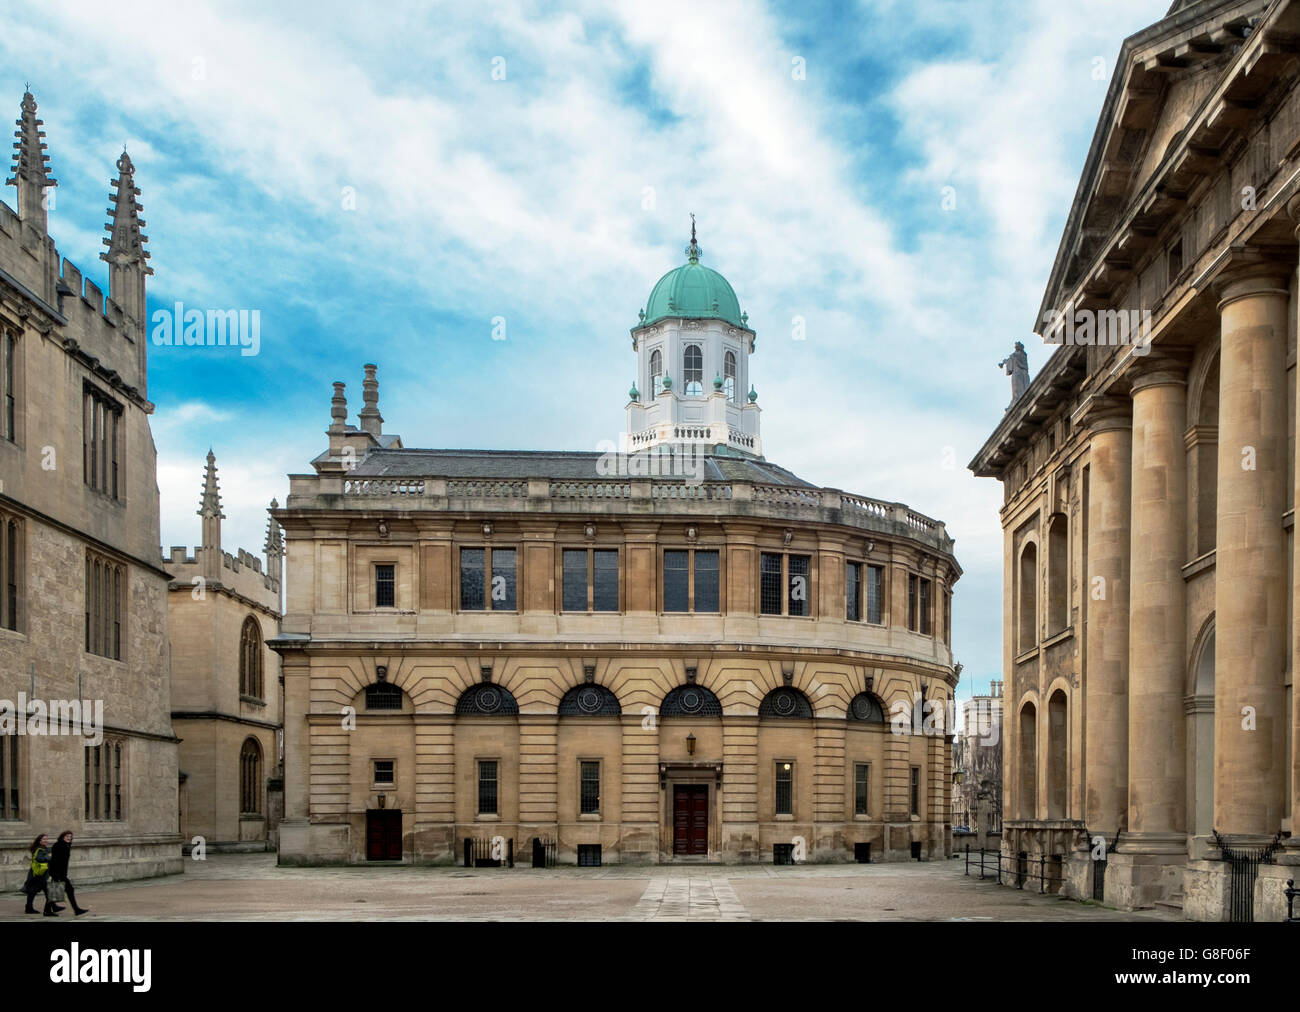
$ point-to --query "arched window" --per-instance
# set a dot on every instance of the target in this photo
(1058, 756)
(250, 659)
(383, 696)
(487, 700)
(867, 708)
(589, 701)
(729, 375)
(785, 702)
(690, 701)
(656, 373)
(1028, 799)
(1058, 574)
(693, 371)
(1027, 601)
(250, 778)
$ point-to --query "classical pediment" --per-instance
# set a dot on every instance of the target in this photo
(1163, 78)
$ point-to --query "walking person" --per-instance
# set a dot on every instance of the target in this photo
(59, 869)
(38, 877)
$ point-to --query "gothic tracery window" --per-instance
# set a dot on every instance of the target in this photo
(250, 659)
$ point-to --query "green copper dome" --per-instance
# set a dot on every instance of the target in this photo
(695, 292)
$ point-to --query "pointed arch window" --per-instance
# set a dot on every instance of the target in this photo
(250, 778)
(656, 373)
(729, 375)
(250, 659)
(693, 371)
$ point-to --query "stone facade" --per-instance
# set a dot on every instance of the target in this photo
(83, 608)
(510, 646)
(1149, 648)
(226, 692)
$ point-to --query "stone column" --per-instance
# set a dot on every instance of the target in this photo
(1157, 603)
(1107, 601)
(1250, 569)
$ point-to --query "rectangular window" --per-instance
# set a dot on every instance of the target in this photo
(9, 385)
(589, 579)
(101, 442)
(487, 787)
(785, 788)
(104, 779)
(875, 594)
(706, 581)
(504, 590)
(925, 607)
(574, 580)
(473, 586)
(10, 562)
(861, 782)
(912, 583)
(853, 591)
(590, 788)
(799, 566)
(384, 772)
(916, 790)
(677, 581)
(385, 596)
(9, 793)
(790, 571)
(604, 591)
(687, 570)
(770, 585)
(105, 583)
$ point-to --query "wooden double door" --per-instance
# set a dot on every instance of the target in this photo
(691, 819)
(383, 834)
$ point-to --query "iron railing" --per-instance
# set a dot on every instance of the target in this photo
(489, 852)
(1020, 868)
(1243, 870)
(543, 852)
(1291, 892)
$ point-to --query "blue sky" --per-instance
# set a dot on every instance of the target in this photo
(556, 196)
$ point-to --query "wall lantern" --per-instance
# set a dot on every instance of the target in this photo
(690, 743)
(383, 800)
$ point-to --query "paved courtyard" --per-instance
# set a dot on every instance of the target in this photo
(251, 887)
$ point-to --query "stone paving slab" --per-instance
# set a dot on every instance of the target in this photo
(251, 887)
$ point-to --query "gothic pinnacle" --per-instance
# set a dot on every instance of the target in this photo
(126, 238)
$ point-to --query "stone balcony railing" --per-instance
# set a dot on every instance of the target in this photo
(632, 496)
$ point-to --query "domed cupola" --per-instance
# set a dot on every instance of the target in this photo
(693, 292)
(692, 330)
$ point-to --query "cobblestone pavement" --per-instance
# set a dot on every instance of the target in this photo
(252, 887)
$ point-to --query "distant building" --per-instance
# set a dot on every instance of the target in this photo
(83, 612)
(684, 652)
(977, 765)
(223, 609)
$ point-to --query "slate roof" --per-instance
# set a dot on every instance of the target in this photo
(557, 465)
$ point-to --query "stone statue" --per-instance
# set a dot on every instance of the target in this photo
(1016, 365)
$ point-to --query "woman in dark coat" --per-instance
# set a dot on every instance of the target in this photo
(59, 868)
(38, 876)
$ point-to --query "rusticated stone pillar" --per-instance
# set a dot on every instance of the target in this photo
(1157, 800)
(1107, 590)
(1250, 568)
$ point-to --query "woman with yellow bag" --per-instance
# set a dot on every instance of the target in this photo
(38, 876)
